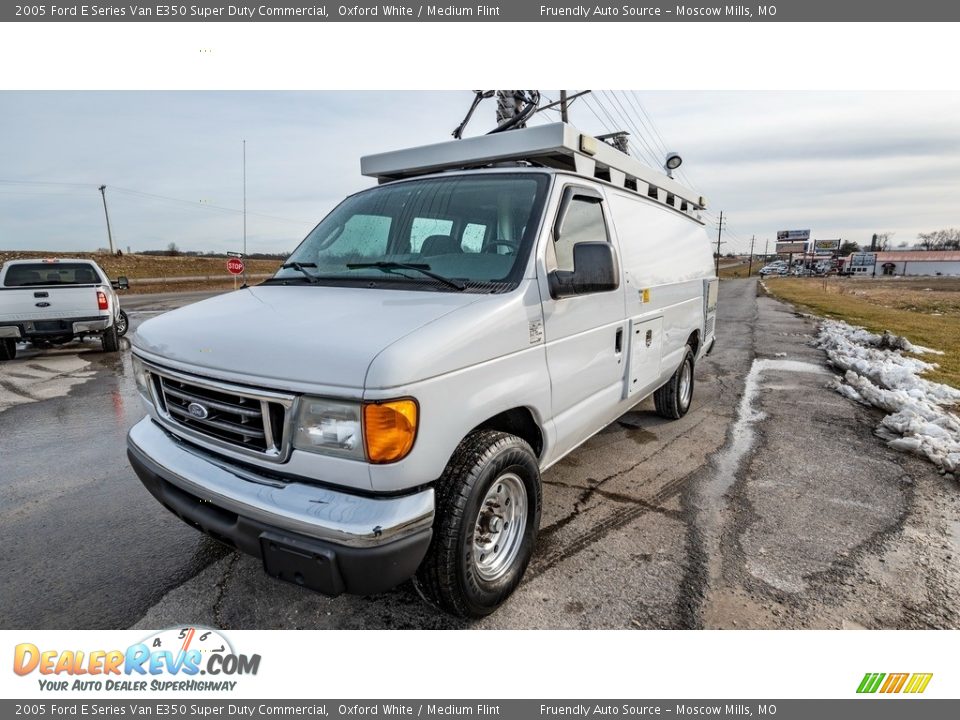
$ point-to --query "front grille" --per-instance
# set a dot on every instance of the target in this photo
(252, 422)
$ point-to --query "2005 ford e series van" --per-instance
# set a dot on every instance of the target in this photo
(383, 407)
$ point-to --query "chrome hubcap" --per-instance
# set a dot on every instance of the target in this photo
(500, 525)
(686, 384)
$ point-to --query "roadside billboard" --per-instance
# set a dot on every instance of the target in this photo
(792, 235)
(784, 248)
(826, 247)
(863, 259)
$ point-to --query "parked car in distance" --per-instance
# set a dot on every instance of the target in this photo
(435, 344)
(56, 300)
(774, 268)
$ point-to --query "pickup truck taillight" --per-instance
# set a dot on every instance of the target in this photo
(102, 300)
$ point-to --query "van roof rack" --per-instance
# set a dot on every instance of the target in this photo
(557, 145)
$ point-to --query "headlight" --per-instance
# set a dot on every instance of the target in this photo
(380, 432)
(142, 378)
(329, 426)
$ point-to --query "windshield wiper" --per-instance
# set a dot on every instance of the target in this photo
(299, 267)
(387, 266)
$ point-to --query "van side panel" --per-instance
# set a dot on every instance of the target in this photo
(665, 257)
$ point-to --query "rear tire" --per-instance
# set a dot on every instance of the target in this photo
(110, 340)
(487, 517)
(123, 324)
(673, 399)
(8, 349)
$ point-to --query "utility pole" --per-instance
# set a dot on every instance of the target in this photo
(103, 193)
(245, 211)
(750, 266)
(719, 230)
(563, 106)
(766, 247)
(244, 198)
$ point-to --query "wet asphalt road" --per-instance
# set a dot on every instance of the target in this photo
(85, 545)
(771, 504)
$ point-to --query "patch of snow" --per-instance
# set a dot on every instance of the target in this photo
(876, 372)
(779, 354)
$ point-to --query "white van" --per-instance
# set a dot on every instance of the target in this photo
(383, 408)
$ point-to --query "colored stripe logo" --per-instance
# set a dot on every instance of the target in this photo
(913, 683)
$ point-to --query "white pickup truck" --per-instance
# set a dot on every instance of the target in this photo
(53, 301)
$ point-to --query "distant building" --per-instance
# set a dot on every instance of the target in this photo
(919, 262)
(907, 263)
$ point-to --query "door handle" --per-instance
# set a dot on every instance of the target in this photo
(618, 343)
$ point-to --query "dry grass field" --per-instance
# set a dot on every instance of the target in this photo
(151, 266)
(924, 310)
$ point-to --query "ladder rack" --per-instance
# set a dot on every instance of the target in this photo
(557, 145)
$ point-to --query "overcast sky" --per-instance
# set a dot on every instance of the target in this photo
(841, 164)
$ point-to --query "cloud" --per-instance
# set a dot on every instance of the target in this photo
(842, 164)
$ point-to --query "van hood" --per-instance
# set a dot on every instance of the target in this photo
(292, 337)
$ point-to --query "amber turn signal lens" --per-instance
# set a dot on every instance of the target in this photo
(389, 430)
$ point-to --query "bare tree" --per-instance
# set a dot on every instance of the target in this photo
(947, 239)
(173, 250)
(883, 240)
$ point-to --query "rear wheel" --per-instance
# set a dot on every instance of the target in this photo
(488, 514)
(110, 339)
(673, 399)
(8, 349)
(123, 324)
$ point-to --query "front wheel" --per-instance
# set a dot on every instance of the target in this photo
(8, 349)
(673, 399)
(488, 513)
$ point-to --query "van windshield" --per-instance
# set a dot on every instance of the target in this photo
(474, 230)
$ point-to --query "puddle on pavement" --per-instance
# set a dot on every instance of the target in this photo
(711, 494)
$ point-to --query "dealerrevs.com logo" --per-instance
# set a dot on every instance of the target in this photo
(890, 683)
(169, 660)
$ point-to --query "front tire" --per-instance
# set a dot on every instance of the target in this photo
(110, 340)
(488, 512)
(673, 399)
(8, 349)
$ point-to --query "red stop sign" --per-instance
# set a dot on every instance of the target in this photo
(235, 266)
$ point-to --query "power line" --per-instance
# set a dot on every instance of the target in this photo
(650, 154)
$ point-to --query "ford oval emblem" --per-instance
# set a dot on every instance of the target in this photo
(198, 411)
(43, 304)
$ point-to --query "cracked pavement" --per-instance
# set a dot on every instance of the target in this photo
(770, 505)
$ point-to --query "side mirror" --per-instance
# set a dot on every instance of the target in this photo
(121, 283)
(594, 270)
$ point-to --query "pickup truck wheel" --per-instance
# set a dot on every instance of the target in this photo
(487, 517)
(123, 324)
(8, 349)
(110, 339)
(673, 399)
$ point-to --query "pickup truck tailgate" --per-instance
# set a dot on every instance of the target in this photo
(48, 303)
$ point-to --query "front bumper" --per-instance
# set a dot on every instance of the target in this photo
(10, 331)
(323, 539)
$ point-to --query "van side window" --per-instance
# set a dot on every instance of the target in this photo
(424, 227)
(362, 236)
(473, 236)
(583, 222)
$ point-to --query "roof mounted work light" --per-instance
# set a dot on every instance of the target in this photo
(672, 162)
